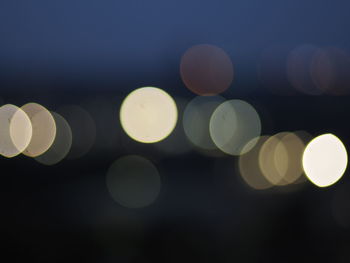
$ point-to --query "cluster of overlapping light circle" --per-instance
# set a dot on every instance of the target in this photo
(213, 125)
(44, 135)
(34, 131)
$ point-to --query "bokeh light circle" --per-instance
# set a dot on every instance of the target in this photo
(299, 67)
(280, 158)
(15, 130)
(289, 152)
(83, 130)
(44, 129)
(61, 145)
(274, 166)
(148, 114)
(233, 124)
(325, 160)
(330, 70)
(206, 70)
(196, 120)
(21, 130)
(177, 142)
(249, 167)
(133, 181)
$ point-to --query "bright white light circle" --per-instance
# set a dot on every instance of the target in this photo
(233, 124)
(325, 160)
(148, 115)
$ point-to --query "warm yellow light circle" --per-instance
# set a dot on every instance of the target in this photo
(148, 115)
(44, 129)
(21, 130)
(273, 159)
(249, 168)
(325, 160)
(289, 152)
(15, 130)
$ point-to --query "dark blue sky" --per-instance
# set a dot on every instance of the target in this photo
(114, 37)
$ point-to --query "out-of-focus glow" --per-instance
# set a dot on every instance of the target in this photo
(206, 70)
(299, 69)
(274, 164)
(133, 181)
(288, 154)
(103, 112)
(196, 120)
(272, 71)
(330, 70)
(61, 145)
(325, 160)
(176, 142)
(148, 114)
(21, 130)
(44, 129)
(233, 124)
(15, 130)
(249, 167)
(83, 130)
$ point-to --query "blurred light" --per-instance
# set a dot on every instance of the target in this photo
(82, 127)
(305, 137)
(61, 145)
(299, 69)
(103, 112)
(289, 153)
(196, 120)
(280, 158)
(325, 160)
(249, 167)
(206, 70)
(133, 181)
(44, 129)
(330, 71)
(232, 125)
(148, 115)
(272, 70)
(15, 130)
(274, 164)
(176, 142)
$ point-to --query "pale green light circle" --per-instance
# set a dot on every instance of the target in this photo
(196, 120)
(233, 124)
(133, 181)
